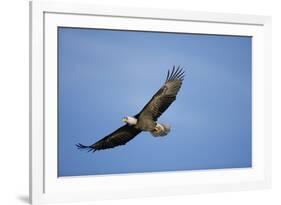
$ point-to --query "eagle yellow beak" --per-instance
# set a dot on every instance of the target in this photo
(124, 119)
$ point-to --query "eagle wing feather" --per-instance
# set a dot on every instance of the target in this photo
(164, 97)
(119, 137)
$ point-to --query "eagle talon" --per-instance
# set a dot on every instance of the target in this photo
(157, 129)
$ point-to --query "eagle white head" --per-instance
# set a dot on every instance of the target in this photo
(130, 120)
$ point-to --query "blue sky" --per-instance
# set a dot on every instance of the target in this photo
(105, 75)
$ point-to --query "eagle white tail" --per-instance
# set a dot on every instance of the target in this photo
(161, 130)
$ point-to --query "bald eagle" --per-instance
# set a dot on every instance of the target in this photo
(146, 119)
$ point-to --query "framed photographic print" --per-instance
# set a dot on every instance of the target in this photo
(129, 102)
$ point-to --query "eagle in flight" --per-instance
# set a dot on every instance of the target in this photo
(146, 119)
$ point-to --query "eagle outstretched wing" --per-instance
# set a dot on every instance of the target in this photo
(119, 137)
(164, 97)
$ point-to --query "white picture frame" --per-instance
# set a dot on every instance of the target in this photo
(45, 186)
